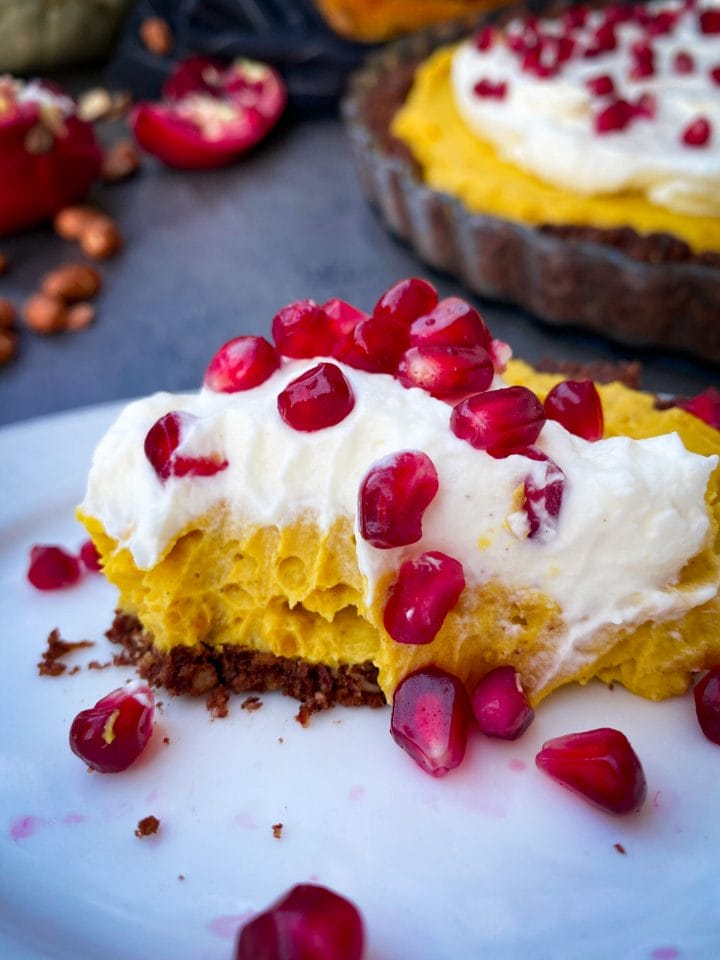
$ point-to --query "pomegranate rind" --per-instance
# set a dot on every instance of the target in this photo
(110, 736)
(310, 922)
(598, 765)
(707, 704)
(430, 719)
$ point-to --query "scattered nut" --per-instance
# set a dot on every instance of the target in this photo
(70, 222)
(94, 105)
(8, 315)
(79, 316)
(120, 162)
(8, 346)
(157, 36)
(147, 826)
(72, 282)
(101, 238)
(45, 314)
(4, 263)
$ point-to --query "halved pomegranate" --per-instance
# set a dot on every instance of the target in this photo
(577, 406)
(707, 704)
(52, 568)
(212, 113)
(309, 922)
(110, 736)
(406, 300)
(302, 330)
(452, 323)
(446, 371)
(241, 364)
(317, 399)
(162, 442)
(430, 719)
(393, 497)
(426, 590)
(499, 421)
(501, 706)
(599, 765)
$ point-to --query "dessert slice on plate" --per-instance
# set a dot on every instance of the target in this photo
(327, 524)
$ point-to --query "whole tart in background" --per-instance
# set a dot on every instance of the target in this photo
(623, 266)
(376, 20)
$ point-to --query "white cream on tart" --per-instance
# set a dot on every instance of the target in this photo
(640, 113)
(633, 512)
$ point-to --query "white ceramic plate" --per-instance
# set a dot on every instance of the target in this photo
(495, 861)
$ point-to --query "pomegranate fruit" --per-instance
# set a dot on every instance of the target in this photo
(501, 706)
(705, 406)
(430, 719)
(406, 300)
(212, 113)
(162, 442)
(241, 364)
(542, 500)
(110, 736)
(52, 568)
(302, 330)
(499, 421)
(452, 323)
(707, 704)
(426, 590)
(317, 399)
(393, 497)
(577, 406)
(309, 922)
(446, 371)
(599, 765)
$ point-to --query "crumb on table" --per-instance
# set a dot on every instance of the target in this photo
(277, 829)
(147, 826)
(50, 664)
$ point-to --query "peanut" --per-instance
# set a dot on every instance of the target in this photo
(79, 316)
(157, 36)
(101, 238)
(8, 346)
(121, 161)
(70, 222)
(45, 314)
(72, 282)
(8, 315)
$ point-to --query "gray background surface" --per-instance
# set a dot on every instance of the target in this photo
(210, 255)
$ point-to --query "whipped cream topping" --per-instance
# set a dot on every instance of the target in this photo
(546, 125)
(633, 511)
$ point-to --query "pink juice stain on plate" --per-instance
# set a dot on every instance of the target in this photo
(25, 827)
(517, 766)
(72, 818)
(665, 953)
(225, 927)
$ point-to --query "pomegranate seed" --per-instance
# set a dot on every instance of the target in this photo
(577, 406)
(393, 497)
(615, 116)
(683, 62)
(112, 734)
(452, 323)
(318, 398)
(90, 557)
(599, 765)
(446, 371)
(542, 501)
(501, 706)
(646, 106)
(301, 330)
(485, 38)
(499, 421)
(162, 441)
(342, 320)
(426, 590)
(565, 49)
(309, 922)
(430, 719)
(715, 75)
(500, 354)
(643, 61)
(494, 91)
(406, 300)
(619, 14)
(707, 704)
(709, 21)
(661, 23)
(241, 364)
(52, 568)
(604, 40)
(697, 133)
(600, 86)
(705, 406)
(375, 345)
(575, 17)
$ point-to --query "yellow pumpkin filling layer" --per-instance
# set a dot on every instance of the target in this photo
(298, 592)
(456, 161)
